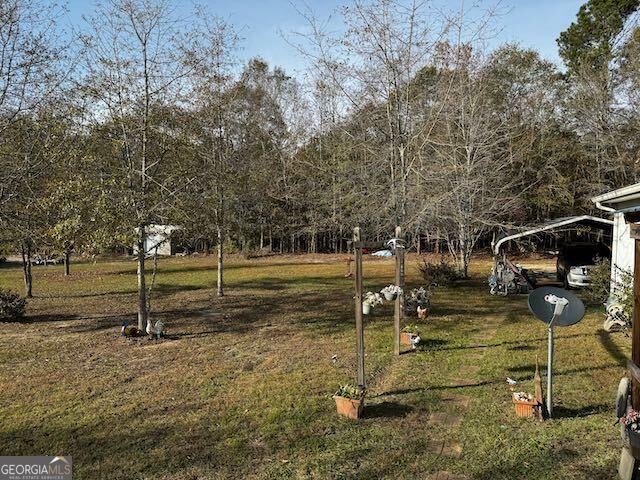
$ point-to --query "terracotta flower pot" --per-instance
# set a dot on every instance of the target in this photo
(406, 337)
(349, 407)
(524, 408)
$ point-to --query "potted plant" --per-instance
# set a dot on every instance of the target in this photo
(524, 403)
(371, 300)
(410, 335)
(631, 423)
(391, 292)
(349, 401)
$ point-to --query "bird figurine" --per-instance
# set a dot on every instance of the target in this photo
(422, 312)
(128, 330)
(159, 328)
(415, 340)
(156, 330)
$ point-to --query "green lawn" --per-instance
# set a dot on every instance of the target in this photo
(242, 386)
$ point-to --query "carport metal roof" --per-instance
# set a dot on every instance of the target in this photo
(560, 222)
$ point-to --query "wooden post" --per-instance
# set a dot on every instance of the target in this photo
(397, 310)
(635, 336)
(634, 371)
(357, 249)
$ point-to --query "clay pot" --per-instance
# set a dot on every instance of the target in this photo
(405, 338)
(349, 407)
(524, 408)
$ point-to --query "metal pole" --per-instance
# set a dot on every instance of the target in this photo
(550, 370)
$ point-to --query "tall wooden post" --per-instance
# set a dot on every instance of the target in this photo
(634, 364)
(635, 342)
(357, 250)
(397, 310)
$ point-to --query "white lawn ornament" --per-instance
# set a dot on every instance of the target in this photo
(395, 243)
(156, 330)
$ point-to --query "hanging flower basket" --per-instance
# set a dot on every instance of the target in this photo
(391, 292)
(370, 301)
(631, 423)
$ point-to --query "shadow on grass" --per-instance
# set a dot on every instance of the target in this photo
(519, 348)
(497, 381)
(517, 344)
(564, 412)
(387, 410)
(431, 344)
(613, 349)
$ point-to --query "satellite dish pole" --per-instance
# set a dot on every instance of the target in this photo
(559, 304)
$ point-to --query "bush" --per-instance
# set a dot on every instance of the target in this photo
(600, 276)
(12, 305)
(442, 273)
(599, 289)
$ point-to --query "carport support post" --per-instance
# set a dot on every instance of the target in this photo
(357, 250)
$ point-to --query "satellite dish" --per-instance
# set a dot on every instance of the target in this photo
(554, 306)
(543, 302)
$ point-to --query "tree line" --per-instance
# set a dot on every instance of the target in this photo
(404, 117)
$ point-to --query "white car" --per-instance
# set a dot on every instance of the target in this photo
(576, 260)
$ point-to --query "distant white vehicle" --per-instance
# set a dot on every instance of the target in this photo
(40, 260)
(576, 260)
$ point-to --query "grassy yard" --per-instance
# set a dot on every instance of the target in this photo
(241, 388)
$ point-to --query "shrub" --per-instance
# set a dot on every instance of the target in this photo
(12, 305)
(442, 273)
(600, 276)
(599, 289)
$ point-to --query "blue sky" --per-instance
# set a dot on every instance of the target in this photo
(532, 23)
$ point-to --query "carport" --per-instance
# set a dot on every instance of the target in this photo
(553, 225)
(506, 273)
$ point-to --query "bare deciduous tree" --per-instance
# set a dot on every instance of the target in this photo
(139, 59)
